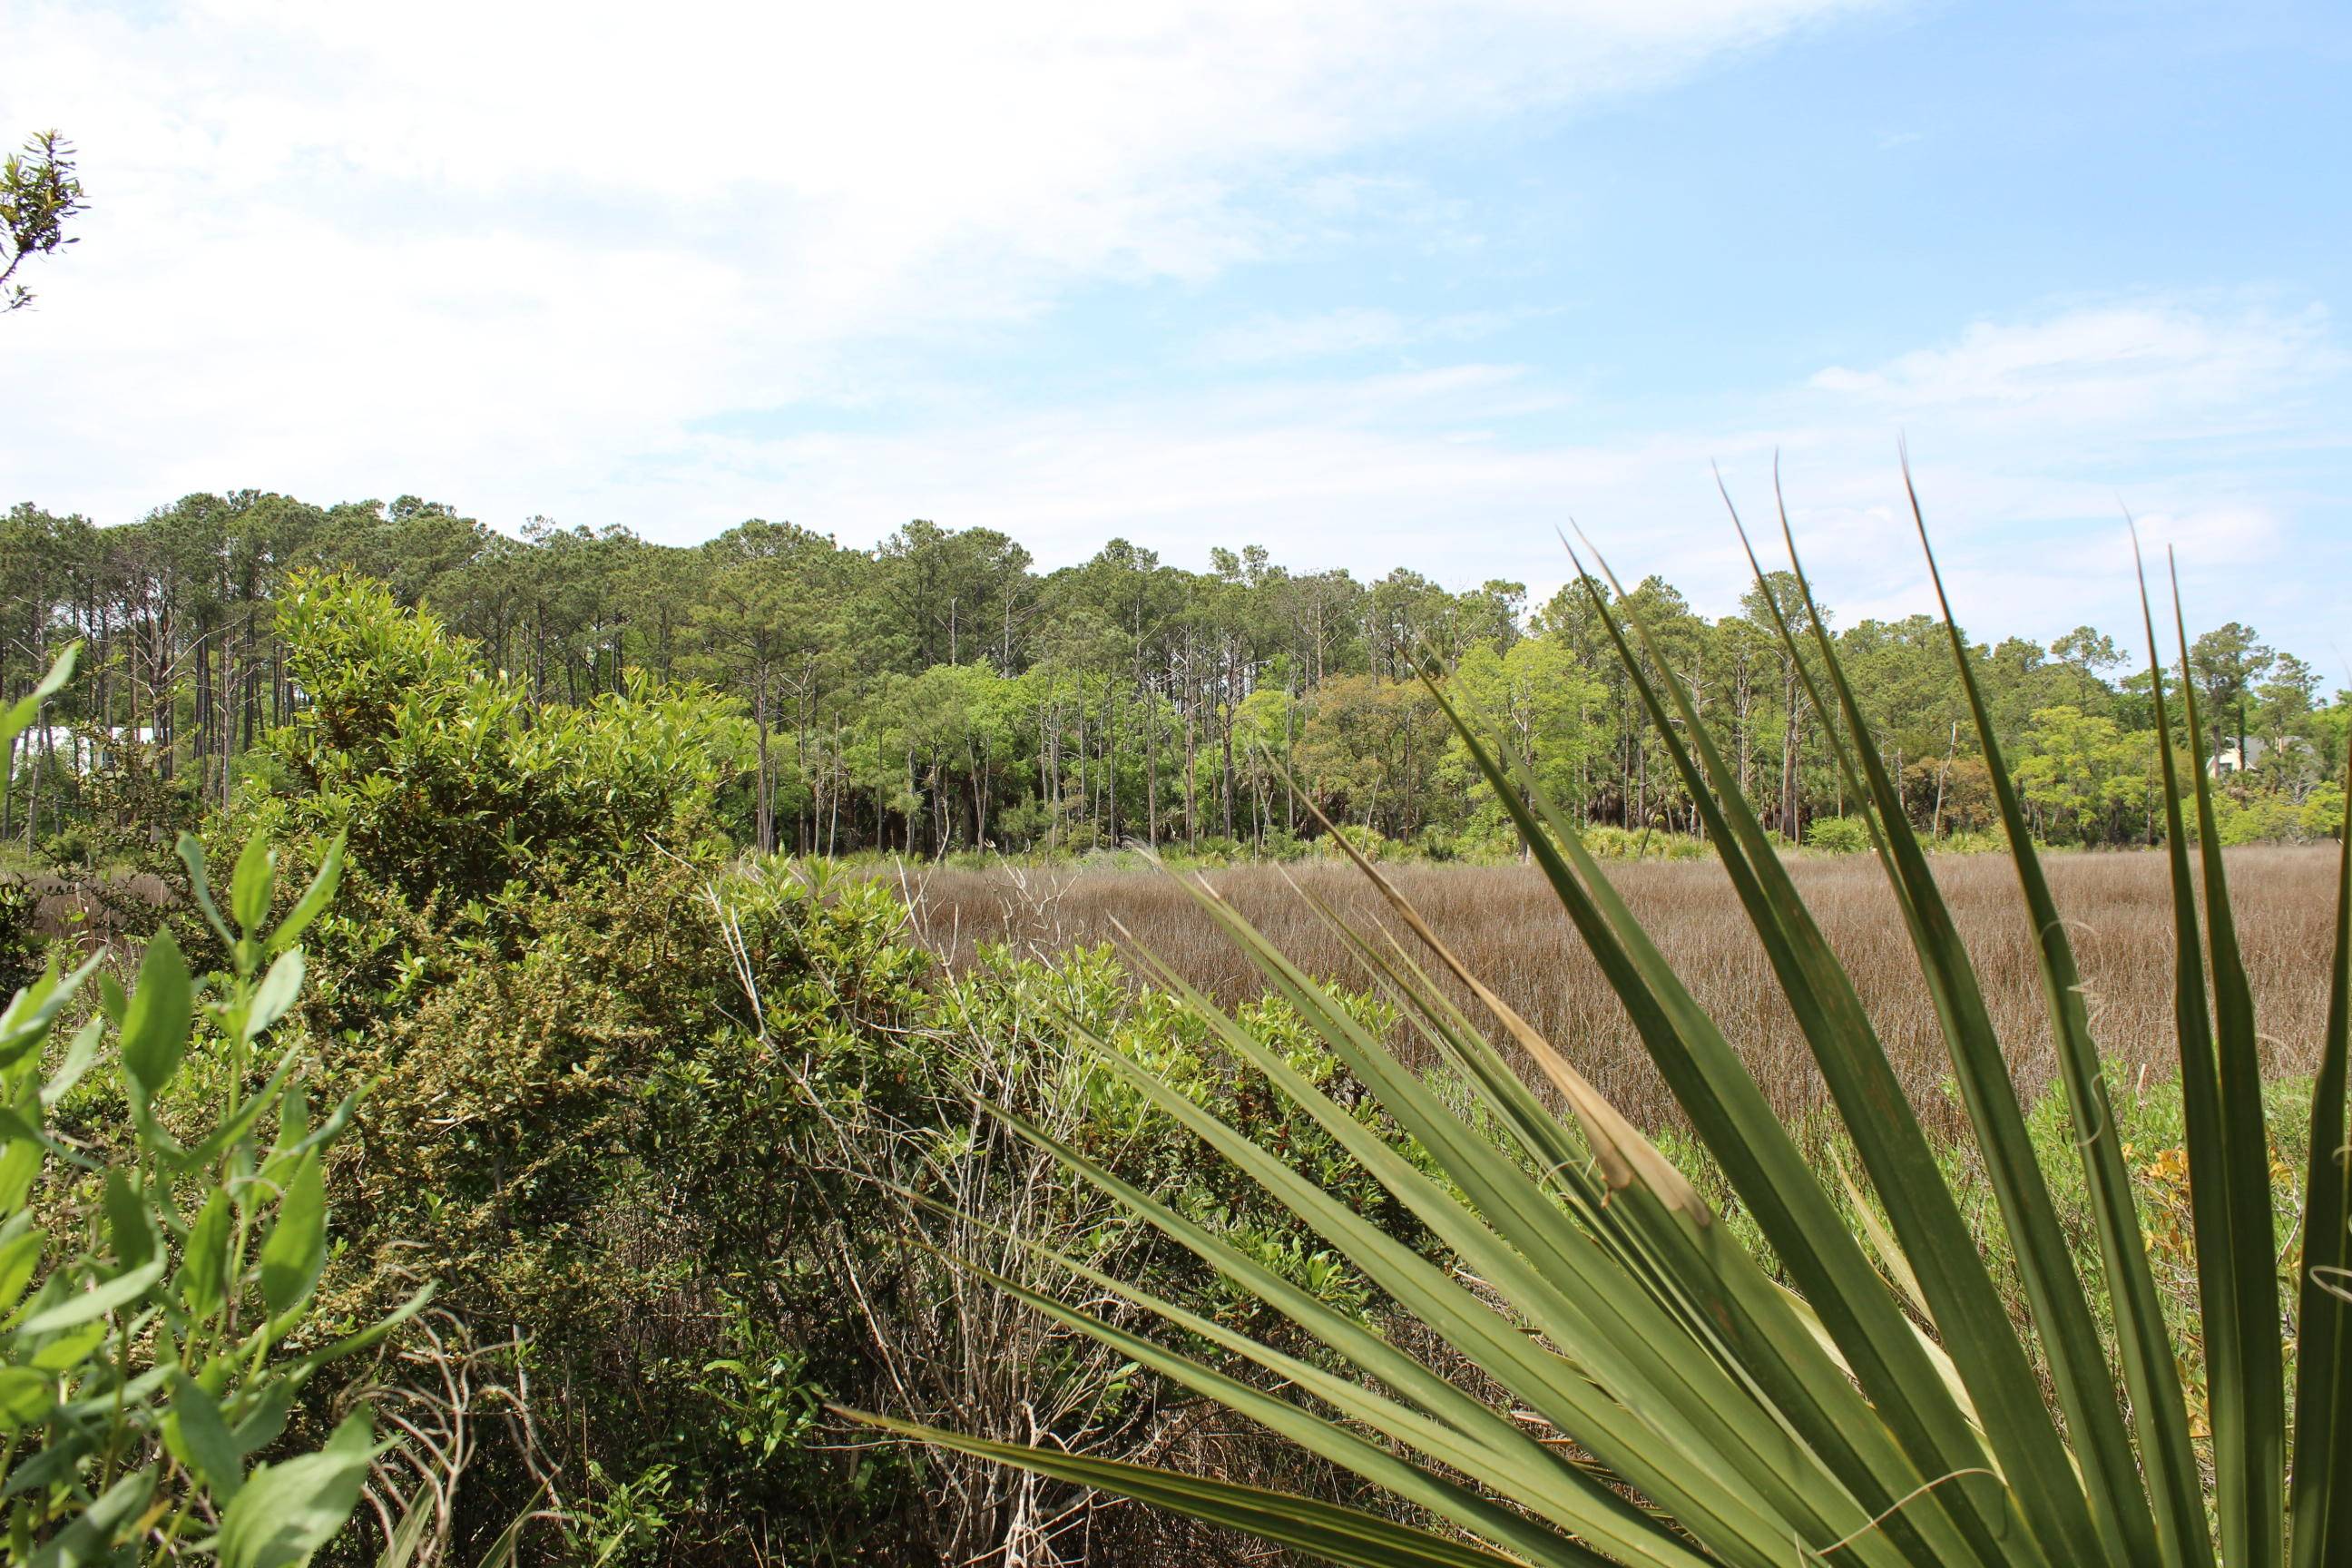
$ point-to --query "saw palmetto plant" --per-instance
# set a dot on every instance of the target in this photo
(1652, 1392)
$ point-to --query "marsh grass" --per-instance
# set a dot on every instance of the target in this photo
(1505, 922)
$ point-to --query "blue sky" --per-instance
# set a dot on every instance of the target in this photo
(1367, 281)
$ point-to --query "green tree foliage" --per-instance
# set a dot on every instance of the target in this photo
(1120, 699)
(2083, 778)
(39, 195)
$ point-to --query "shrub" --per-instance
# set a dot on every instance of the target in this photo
(1837, 835)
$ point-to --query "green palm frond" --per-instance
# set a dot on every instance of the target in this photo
(1868, 1398)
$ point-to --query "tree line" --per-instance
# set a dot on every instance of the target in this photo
(938, 693)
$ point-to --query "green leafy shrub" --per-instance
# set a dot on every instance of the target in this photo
(161, 1246)
(446, 780)
(21, 943)
(1837, 835)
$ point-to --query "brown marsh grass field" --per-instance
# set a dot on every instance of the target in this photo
(1509, 929)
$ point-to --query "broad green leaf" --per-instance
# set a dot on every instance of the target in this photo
(202, 1440)
(20, 1163)
(155, 1023)
(21, 713)
(204, 1264)
(266, 1419)
(80, 1052)
(32, 1009)
(296, 1248)
(70, 1349)
(287, 1510)
(20, 1253)
(250, 887)
(278, 992)
(191, 855)
(128, 1222)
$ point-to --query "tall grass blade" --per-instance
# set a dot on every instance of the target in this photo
(1969, 1316)
(2229, 1156)
(1913, 1429)
(2054, 1291)
(2319, 1502)
(1341, 1535)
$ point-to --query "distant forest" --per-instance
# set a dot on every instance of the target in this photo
(938, 694)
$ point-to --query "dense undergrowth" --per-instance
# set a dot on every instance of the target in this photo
(692, 1146)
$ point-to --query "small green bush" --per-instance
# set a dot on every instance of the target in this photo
(1837, 835)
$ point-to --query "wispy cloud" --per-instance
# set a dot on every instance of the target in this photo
(494, 248)
(562, 260)
(1371, 471)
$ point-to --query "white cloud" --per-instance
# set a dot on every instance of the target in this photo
(2119, 365)
(489, 247)
(529, 258)
(1371, 472)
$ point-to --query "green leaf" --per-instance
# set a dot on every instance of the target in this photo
(91, 1539)
(96, 1301)
(1335, 1534)
(2084, 1382)
(276, 994)
(128, 1221)
(296, 1248)
(2320, 1503)
(1771, 1175)
(21, 713)
(80, 1052)
(156, 1024)
(20, 1253)
(20, 1162)
(191, 855)
(204, 1264)
(315, 897)
(204, 1443)
(26, 1396)
(287, 1510)
(266, 1419)
(250, 887)
(69, 1350)
(2042, 1483)
(2229, 1180)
